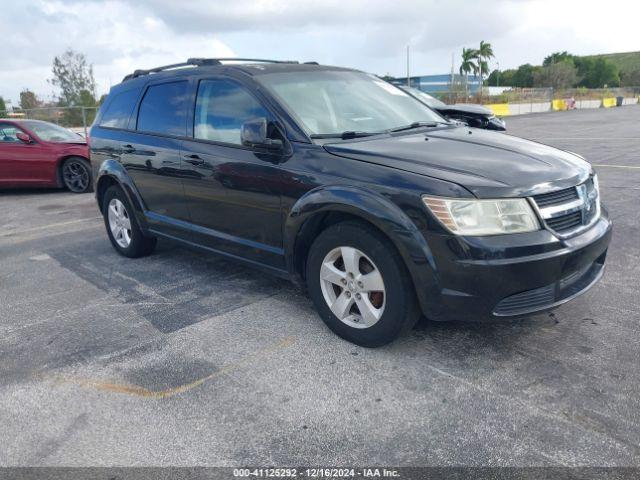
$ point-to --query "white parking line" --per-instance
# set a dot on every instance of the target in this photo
(597, 139)
(614, 166)
(12, 233)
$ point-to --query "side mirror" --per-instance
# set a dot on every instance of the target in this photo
(254, 134)
(23, 137)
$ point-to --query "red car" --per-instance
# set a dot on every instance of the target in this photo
(34, 153)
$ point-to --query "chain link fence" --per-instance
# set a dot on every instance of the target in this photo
(537, 95)
(78, 119)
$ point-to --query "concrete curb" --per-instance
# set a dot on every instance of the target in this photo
(508, 109)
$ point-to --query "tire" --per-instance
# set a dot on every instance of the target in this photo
(129, 242)
(386, 316)
(76, 175)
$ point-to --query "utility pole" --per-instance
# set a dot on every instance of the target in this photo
(84, 121)
(498, 75)
(452, 80)
(408, 78)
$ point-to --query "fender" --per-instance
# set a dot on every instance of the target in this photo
(380, 212)
(112, 169)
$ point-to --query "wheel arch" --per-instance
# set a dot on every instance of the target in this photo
(326, 206)
(113, 173)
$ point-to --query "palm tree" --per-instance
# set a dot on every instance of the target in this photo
(467, 66)
(483, 54)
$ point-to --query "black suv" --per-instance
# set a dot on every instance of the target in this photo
(350, 186)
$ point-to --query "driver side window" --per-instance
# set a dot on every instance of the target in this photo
(222, 106)
(8, 133)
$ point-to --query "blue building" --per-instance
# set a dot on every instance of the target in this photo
(439, 83)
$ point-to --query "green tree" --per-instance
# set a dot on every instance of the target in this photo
(494, 77)
(86, 99)
(506, 77)
(72, 74)
(483, 55)
(468, 65)
(596, 73)
(630, 78)
(501, 78)
(3, 107)
(556, 75)
(523, 76)
(558, 57)
(564, 70)
(73, 117)
(29, 100)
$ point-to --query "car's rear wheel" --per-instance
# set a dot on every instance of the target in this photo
(122, 226)
(360, 285)
(76, 175)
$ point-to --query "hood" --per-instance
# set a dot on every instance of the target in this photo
(489, 164)
(467, 108)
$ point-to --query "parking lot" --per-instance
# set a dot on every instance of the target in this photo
(183, 358)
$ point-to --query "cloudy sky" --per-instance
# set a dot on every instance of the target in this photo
(119, 36)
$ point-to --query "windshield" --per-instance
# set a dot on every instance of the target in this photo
(425, 97)
(333, 102)
(52, 133)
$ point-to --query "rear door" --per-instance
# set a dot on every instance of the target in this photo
(23, 163)
(233, 192)
(151, 154)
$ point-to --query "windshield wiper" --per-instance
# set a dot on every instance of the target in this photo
(356, 134)
(345, 135)
(413, 125)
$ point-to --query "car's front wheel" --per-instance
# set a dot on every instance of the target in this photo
(122, 227)
(360, 285)
(76, 175)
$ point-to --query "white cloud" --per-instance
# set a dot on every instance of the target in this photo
(116, 37)
(119, 36)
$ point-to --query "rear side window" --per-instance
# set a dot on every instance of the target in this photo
(222, 107)
(164, 109)
(119, 109)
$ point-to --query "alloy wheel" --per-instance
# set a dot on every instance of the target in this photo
(119, 223)
(76, 176)
(353, 287)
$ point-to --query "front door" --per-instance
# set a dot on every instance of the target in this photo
(233, 192)
(23, 163)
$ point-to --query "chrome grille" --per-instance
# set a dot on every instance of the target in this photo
(569, 210)
(565, 222)
(555, 198)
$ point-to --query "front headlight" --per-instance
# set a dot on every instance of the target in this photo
(596, 188)
(483, 217)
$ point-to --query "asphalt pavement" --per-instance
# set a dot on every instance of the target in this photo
(184, 358)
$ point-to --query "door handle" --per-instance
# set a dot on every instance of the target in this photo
(194, 159)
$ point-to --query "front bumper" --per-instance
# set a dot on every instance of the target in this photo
(513, 275)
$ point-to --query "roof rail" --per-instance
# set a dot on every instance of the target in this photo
(200, 62)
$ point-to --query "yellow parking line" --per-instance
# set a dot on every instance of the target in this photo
(139, 391)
